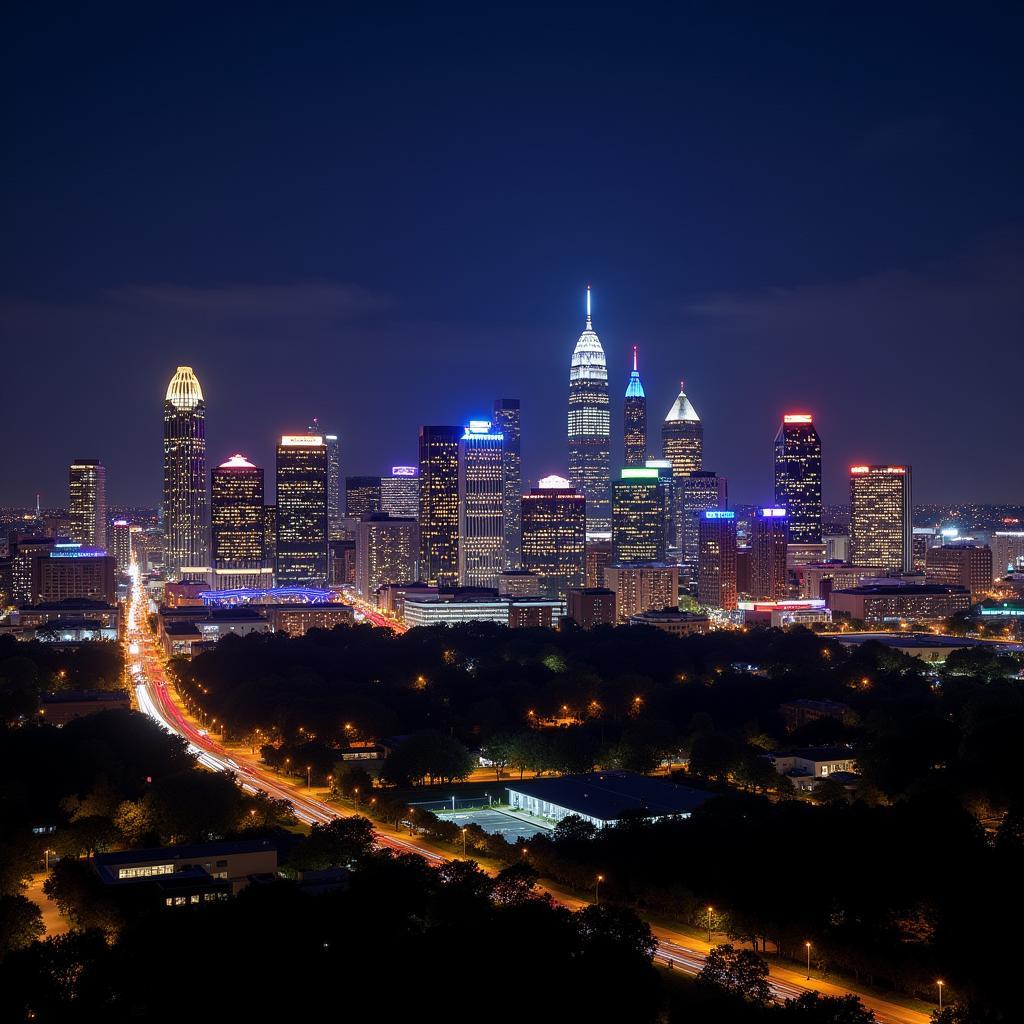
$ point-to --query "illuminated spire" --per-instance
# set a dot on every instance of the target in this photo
(634, 389)
(682, 410)
(590, 325)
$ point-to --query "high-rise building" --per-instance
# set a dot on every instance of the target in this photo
(695, 493)
(716, 562)
(881, 527)
(362, 496)
(186, 514)
(400, 492)
(70, 571)
(481, 505)
(634, 419)
(641, 588)
(638, 516)
(554, 518)
(121, 534)
(768, 574)
(335, 505)
(962, 564)
(270, 533)
(590, 427)
(1007, 552)
(682, 436)
(25, 549)
(387, 551)
(439, 505)
(597, 555)
(237, 527)
(507, 420)
(798, 477)
(87, 502)
(302, 511)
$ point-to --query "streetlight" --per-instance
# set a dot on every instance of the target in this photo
(309, 771)
(597, 890)
(463, 831)
(808, 946)
(711, 911)
(939, 983)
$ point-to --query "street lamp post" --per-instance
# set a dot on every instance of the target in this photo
(309, 776)
(711, 911)
(939, 985)
(808, 945)
(463, 831)
(597, 890)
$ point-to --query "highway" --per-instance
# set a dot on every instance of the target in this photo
(146, 664)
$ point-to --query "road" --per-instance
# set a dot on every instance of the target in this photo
(155, 699)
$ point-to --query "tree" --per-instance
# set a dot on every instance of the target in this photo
(617, 926)
(500, 751)
(335, 844)
(829, 791)
(21, 923)
(81, 897)
(428, 754)
(574, 829)
(134, 821)
(714, 755)
(814, 1008)
(740, 971)
(516, 885)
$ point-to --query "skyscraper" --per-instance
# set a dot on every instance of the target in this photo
(506, 419)
(590, 427)
(554, 518)
(186, 513)
(335, 506)
(638, 516)
(682, 436)
(768, 575)
(237, 525)
(881, 526)
(302, 511)
(481, 505)
(634, 419)
(439, 505)
(387, 550)
(716, 569)
(798, 477)
(695, 493)
(87, 502)
(362, 496)
(400, 492)
(121, 534)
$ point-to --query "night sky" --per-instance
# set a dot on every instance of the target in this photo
(389, 219)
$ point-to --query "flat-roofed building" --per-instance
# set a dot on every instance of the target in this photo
(882, 602)
(519, 583)
(60, 708)
(674, 621)
(604, 798)
(1007, 552)
(881, 512)
(969, 565)
(716, 559)
(592, 606)
(387, 551)
(554, 518)
(71, 571)
(639, 588)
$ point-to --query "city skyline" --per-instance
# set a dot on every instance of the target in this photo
(776, 241)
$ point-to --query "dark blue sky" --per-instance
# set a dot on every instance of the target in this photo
(388, 219)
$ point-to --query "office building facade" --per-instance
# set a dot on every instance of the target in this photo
(439, 504)
(87, 502)
(768, 568)
(638, 516)
(387, 551)
(236, 525)
(301, 548)
(362, 496)
(481, 505)
(881, 526)
(716, 559)
(798, 477)
(694, 493)
(589, 427)
(641, 588)
(963, 564)
(400, 493)
(554, 524)
(186, 508)
(507, 421)
(121, 544)
(634, 419)
(682, 436)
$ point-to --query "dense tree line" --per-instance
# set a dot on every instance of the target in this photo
(27, 670)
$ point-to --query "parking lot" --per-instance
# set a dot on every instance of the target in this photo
(494, 821)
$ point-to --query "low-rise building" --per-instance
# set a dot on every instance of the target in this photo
(231, 860)
(882, 602)
(926, 646)
(298, 619)
(591, 606)
(639, 588)
(806, 765)
(797, 713)
(60, 708)
(783, 613)
(674, 621)
(480, 605)
(965, 565)
(604, 798)
(519, 583)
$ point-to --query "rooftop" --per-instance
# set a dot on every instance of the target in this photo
(836, 753)
(81, 696)
(186, 852)
(608, 796)
(903, 590)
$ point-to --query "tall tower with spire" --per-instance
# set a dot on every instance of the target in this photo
(634, 419)
(682, 436)
(590, 427)
(186, 507)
